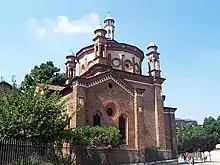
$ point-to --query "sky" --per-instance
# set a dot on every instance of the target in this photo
(187, 33)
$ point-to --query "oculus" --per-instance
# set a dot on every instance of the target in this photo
(116, 62)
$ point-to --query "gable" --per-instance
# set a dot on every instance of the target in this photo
(102, 77)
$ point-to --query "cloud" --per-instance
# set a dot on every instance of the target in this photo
(37, 28)
(63, 25)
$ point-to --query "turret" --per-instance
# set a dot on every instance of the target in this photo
(70, 67)
(109, 27)
(100, 41)
(153, 60)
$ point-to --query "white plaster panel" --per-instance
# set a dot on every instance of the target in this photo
(116, 54)
(127, 55)
(86, 58)
(89, 57)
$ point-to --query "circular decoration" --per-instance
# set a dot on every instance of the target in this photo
(116, 62)
(109, 112)
(128, 64)
(112, 105)
(137, 68)
(90, 63)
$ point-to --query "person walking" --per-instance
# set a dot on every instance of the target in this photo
(189, 157)
(193, 160)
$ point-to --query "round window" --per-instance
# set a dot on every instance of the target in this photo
(116, 62)
(110, 85)
(109, 112)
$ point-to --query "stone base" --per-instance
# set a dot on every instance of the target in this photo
(165, 162)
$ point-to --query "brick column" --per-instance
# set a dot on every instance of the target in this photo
(159, 117)
(80, 98)
(136, 121)
(139, 119)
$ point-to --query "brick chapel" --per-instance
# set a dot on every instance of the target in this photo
(113, 91)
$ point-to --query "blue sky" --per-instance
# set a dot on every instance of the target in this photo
(187, 33)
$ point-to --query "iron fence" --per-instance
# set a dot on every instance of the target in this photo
(16, 152)
(13, 152)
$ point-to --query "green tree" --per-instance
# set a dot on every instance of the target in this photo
(189, 138)
(46, 73)
(199, 138)
(93, 137)
(32, 115)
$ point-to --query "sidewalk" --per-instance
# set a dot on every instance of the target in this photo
(203, 163)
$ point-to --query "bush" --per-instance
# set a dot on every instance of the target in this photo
(92, 137)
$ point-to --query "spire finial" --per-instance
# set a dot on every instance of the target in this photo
(70, 53)
(109, 14)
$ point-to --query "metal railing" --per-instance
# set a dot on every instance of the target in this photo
(13, 152)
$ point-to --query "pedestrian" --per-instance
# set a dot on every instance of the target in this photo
(189, 157)
(193, 160)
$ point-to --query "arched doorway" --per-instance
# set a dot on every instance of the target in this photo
(96, 120)
(122, 128)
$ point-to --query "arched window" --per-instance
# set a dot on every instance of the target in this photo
(157, 65)
(109, 33)
(122, 128)
(102, 50)
(71, 72)
(96, 120)
(151, 65)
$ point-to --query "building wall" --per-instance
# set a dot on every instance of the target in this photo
(4, 88)
(70, 103)
(170, 132)
(120, 60)
(181, 122)
(86, 62)
(143, 127)
(100, 97)
(128, 58)
(147, 125)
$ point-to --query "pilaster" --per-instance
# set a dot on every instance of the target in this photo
(159, 117)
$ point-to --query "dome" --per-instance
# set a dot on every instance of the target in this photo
(152, 44)
(109, 18)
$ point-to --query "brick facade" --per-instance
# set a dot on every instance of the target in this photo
(141, 104)
(170, 129)
(112, 91)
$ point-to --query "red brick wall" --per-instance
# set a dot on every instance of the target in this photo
(139, 110)
(100, 96)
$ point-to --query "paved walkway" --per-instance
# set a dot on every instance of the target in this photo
(203, 163)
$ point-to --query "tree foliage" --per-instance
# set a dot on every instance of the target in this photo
(46, 73)
(26, 113)
(199, 138)
(94, 137)
(31, 115)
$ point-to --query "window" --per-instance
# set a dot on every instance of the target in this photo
(102, 50)
(122, 128)
(110, 85)
(151, 65)
(157, 65)
(109, 33)
(109, 112)
(71, 72)
(96, 120)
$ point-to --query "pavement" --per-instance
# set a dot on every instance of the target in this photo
(203, 163)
